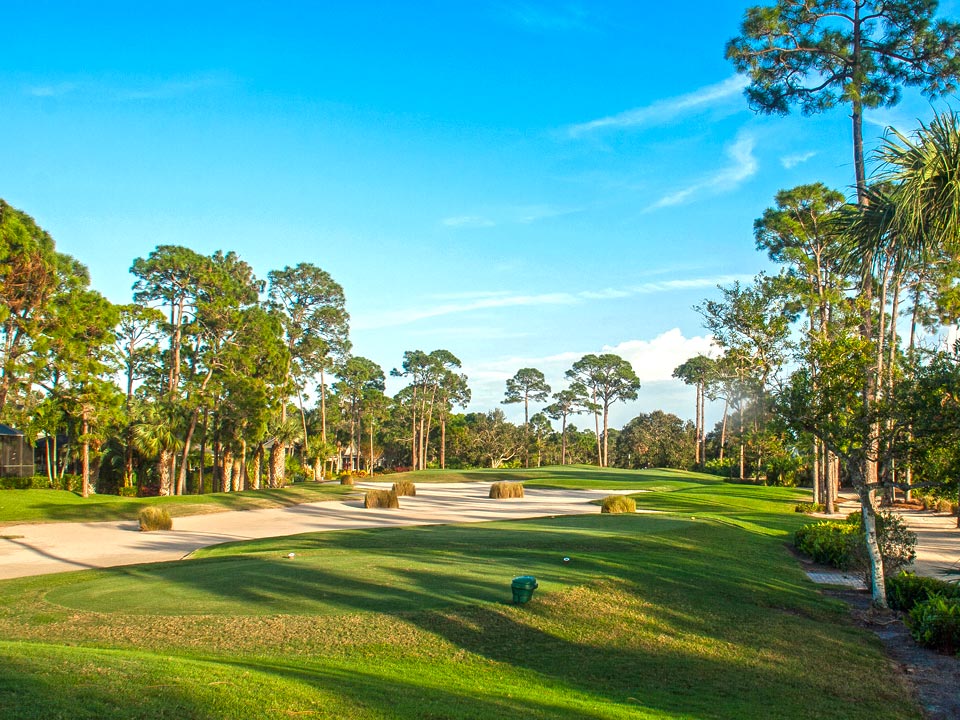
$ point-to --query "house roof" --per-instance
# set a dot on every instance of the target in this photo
(7, 430)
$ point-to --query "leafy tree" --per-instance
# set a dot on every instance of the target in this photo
(358, 377)
(697, 371)
(453, 392)
(818, 54)
(657, 439)
(609, 379)
(566, 403)
(528, 384)
(495, 440)
(315, 324)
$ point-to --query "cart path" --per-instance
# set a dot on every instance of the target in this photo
(42, 548)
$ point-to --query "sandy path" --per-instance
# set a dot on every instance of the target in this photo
(41, 548)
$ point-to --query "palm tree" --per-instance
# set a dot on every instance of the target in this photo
(154, 436)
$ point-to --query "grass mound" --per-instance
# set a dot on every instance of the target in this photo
(381, 499)
(618, 504)
(154, 518)
(404, 487)
(346, 479)
(504, 490)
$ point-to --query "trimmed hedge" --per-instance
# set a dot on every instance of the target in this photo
(504, 490)
(381, 499)
(405, 487)
(154, 518)
(618, 504)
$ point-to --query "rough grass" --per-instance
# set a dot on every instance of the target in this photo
(655, 616)
(405, 487)
(381, 499)
(504, 490)
(18, 506)
(618, 504)
(154, 518)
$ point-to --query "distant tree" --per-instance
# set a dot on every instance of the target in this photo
(657, 439)
(312, 307)
(566, 403)
(609, 379)
(358, 377)
(528, 384)
(698, 371)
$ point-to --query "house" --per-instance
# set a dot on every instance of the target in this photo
(16, 454)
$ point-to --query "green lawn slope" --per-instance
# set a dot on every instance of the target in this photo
(697, 611)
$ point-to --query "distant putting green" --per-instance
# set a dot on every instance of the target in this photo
(699, 612)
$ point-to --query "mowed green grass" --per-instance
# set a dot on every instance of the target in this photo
(18, 506)
(697, 612)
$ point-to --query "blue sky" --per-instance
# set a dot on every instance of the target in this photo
(518, 182)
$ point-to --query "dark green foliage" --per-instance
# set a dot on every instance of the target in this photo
(618, 504)
(404, 487)
(840, 543)
(935, 623)
(503, 490)
(829, 542)
(906, 590)
(381, 499)
(154, 518)
(808, 507)
(32, 482)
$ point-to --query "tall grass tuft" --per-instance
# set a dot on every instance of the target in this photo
(618, 504)
(381, 499)
(503, 490)
(154, 518)
(405, 487)
(346, 479)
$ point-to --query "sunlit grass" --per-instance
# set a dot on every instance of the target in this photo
(18, 506)
(655, 616)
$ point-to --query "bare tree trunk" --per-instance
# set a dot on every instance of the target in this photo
(563, 440)
(85, 462)
(277, 460)
(236, 479)
(443, 442)
(203, 451)
(257, 465)
(815, 470)
(723, 428)
(163, 468)
(226, 474)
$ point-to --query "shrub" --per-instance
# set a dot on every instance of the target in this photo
(404, 487)
(31, 482)
(503, 490)
(728, 467)
(840, 543)
(809, 507)
(381, 499)
(906, 590)
(346, 479)
(828, 542)
(154, 518)
(935, 623)
(898, 543)
(127, 492)
(618, 504)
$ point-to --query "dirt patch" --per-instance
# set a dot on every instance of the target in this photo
(934, 678)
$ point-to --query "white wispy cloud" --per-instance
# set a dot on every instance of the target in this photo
(791, 161)
(172, 88)
(547, 17)
(742, 165)
(467, 221)
(52, 90)
(473, 301)
(664, 111)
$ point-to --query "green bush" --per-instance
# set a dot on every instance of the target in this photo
(728, 467)
(503, 490)
(809, 507)
(154, 518)
(31, 482)
(935, 623)
(618, 504)
(841, 545)
(906, 590)
(127, 492)
(404, 487)
(381, 499)
(829, 542)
